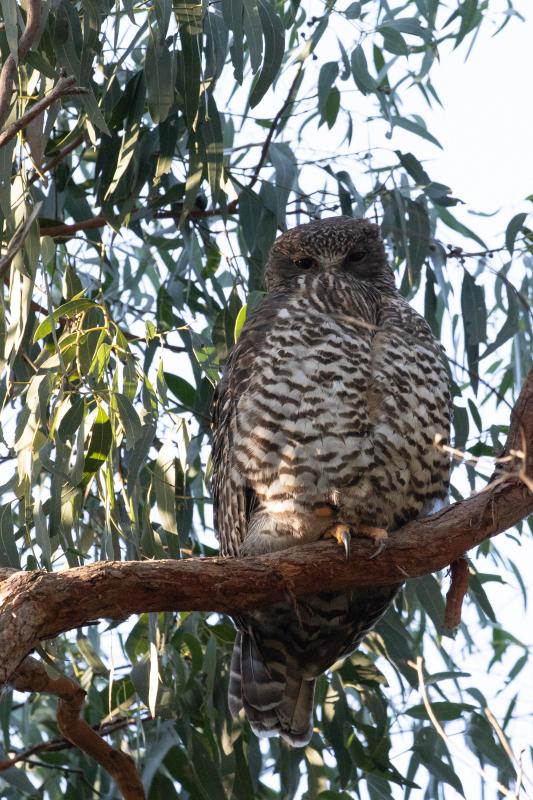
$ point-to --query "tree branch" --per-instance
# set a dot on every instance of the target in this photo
(40, 605)
(64, 86)
(9, 70)
(32, 677)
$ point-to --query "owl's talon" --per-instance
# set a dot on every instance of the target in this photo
(378, 535)
(379, 549)
(341, 533)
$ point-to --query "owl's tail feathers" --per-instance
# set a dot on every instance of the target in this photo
(276, 699)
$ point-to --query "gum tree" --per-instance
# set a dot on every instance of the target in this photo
(149, 155)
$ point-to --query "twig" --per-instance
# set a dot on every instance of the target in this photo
(31, 676)
(519, 774)
(62, 154)
(507, 747)
(17, 242)
(9, 70)
(56, 745)
(64, 86)
(458, 750)
(273, 128)
(456, 592)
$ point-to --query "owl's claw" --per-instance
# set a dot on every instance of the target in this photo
(378, 535)
(341, 533)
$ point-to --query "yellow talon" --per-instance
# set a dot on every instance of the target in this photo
(341, 533)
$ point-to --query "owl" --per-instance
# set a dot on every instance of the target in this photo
(324, 423)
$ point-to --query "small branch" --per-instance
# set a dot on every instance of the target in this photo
(458, 750)
(507, 747)
(56, 745)
(31, 676)
(61, 231)
(289, 100)
(456, 592)
(57, 159)
(9, 70)
(64, 86)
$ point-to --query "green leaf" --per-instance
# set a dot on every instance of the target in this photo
(414, 127)
(408, 25)
(253, 32)
(239, 322)
(327, 77)
(443, 710)
(418, 232)
(455, 225)
(353, 11)
(393, 40)
(99, 446)
(188, 75)
(212, 136)
(71, 421)
(460, 426)
(286, 167)
(182, 389)
(413, 166)
(68, 310)
(233, 13)
(363, 79)
(474, 311)
(9, 556)
(129, 418)
(513, 229)
(165, 487)
(160, 73)
(274, 36)
(431, 601)
(9, 17)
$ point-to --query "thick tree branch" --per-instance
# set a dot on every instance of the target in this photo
(40, 605)
(32, 677)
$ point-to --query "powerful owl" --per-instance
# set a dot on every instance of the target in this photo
(324, 422)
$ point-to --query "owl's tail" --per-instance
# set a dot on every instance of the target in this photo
(276, 699)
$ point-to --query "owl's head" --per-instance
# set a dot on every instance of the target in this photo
(351, 246)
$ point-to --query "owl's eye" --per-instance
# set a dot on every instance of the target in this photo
(355, 255)
(304, 263)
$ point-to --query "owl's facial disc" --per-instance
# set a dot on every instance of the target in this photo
(344, 245)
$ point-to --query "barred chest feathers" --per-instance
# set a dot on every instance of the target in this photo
(337, 414)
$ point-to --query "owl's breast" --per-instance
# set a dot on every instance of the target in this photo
(341, 410)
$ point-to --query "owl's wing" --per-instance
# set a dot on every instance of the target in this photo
(230, 513)
(233, 497)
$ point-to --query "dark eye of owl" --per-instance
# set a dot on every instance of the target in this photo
(355, 255)
(304, 263)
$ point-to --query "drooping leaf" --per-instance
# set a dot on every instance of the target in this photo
(362, 77)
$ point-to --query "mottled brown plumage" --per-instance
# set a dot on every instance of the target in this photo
(327, 413)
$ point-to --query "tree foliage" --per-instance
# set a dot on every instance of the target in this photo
(150, 155)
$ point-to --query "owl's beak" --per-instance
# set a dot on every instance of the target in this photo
(331, 265)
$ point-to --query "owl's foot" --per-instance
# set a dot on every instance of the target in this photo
(341, 533)
(378, 535)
